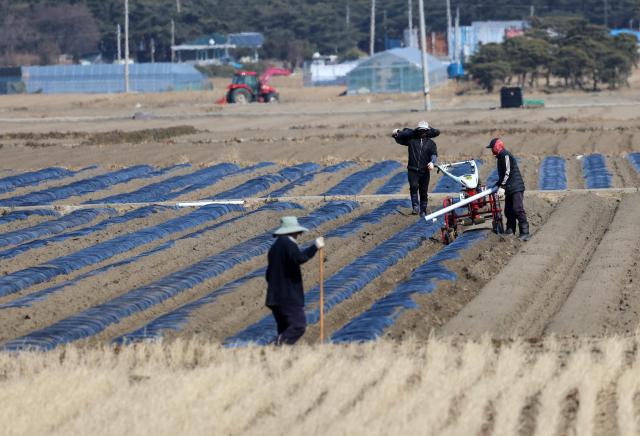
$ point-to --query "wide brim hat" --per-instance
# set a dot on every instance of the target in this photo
(289, 225)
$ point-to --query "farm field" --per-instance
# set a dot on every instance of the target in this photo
(96, 251)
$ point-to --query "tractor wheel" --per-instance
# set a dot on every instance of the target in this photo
(240, 96)
(272, 98)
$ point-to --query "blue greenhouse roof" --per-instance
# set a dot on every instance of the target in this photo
(408, 54)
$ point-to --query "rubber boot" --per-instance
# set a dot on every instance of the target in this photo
(423, 208)
(511, 228)
(415, 204)
(524, 232)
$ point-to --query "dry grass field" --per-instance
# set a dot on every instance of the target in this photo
(437, 387)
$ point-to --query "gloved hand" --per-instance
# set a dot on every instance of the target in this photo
(395, 132)
(430, 167)
(319, 242)
(500, 193)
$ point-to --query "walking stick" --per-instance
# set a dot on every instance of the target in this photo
(322, 295)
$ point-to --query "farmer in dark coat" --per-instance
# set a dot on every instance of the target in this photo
(423, 156)
(285, 293)
(510, 187)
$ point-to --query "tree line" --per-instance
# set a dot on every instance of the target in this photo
(38, 31)
(575, 52)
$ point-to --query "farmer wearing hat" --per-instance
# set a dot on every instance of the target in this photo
(423, 156)
(510, 187)
(285, 293)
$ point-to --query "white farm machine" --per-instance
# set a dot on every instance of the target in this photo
(475, 204)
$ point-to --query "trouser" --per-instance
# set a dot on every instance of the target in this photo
(514, 211)
(419, 188)
(291, 322)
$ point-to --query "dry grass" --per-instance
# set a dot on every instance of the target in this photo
(441, 387)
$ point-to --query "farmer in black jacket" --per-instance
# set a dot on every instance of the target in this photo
(285, 294)
(423, 155)
(511, 188)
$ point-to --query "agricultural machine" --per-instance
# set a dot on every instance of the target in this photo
(476, 204)
(247, 87)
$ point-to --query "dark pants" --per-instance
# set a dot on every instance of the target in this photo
(291, 321)
(514, 210)
(419, 188)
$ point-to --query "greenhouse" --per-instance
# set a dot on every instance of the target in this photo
(107, 78)
(396, 70)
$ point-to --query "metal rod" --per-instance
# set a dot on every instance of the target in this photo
(425, 64)
(460, 204)
(321, 295)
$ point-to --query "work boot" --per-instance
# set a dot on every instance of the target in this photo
(423, 208)
(509, 232)
(415, 204)
(524, 232)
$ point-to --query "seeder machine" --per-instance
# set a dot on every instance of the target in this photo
(475, 204)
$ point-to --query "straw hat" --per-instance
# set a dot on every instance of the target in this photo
(289, 225)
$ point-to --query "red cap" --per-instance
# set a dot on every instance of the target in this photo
(496, 145)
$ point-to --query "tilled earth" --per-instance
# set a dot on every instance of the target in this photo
(577, 276)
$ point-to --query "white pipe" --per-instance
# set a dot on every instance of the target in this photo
(435, 215)
(209, 202)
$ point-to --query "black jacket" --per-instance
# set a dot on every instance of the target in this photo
(283, 272)
(509, 176)
(421, 150)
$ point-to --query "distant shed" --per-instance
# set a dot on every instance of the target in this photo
(394, 71)
(160, 77)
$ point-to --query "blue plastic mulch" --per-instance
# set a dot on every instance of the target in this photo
(262, 183)
(142, 212)
(346, 282)
(395, 184)
(20, 215)
(281, 192)
(174, 320)
(634, 158)
(371, 324)
(96, 319)
(11, 183)
(81, 187)
(23, 279)
(74, 219)
(596, 174)
(553, 176)
(356, 182)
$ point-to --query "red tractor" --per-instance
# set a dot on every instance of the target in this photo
(247, 87)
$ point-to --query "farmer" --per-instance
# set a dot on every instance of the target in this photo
(511, 188)
(285, 294)
(423, 155)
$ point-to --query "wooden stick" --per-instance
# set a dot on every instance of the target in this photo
(322, 295)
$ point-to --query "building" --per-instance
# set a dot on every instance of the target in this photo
(109, 78)
(326, 71)
(616, 32)
(466, 40)
(394, 71)
(11, 80)
(216, 48)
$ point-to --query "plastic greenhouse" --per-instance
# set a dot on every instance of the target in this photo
(396, 70)
(158, 77)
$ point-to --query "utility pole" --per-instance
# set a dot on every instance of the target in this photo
(178, 8)
(458, 37)
(153, 50)
(348, 15)
(606, 13)
(173, 41)
(449, 48)
(533, 11)
(411, 43)
(126, 45)
(373, 28)
(425, 64)
(119, 42)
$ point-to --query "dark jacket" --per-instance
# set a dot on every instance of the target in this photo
(509, 176)
(421, 150)
(283, 272)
